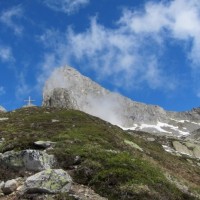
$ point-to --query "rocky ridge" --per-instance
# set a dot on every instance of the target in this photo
(2, 109)
(67, 88)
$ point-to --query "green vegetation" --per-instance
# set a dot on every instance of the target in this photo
(115, 164)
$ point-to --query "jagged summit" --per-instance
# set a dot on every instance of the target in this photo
(2, 109)
(68, 88)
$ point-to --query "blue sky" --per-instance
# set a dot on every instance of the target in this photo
(146, 50)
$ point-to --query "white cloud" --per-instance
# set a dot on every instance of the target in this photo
(131, 54)
(9, 16)
(177, 19)
(112, 54)
(66, 6)
(6, 54)
(2, 90)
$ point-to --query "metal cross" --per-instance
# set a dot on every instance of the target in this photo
(29, 101)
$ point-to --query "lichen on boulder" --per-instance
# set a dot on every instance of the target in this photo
(48, 181)
(32, 160)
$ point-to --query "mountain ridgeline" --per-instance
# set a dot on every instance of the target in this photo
(62, 151)
(67, 88)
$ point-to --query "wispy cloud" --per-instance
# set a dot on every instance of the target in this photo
(131, 54)
(2, 90)
(8, 17)
(6, 54)
(22, 88)
(66, 6)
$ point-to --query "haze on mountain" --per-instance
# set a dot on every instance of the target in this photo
(67, 88)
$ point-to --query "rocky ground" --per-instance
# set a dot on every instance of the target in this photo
(49, 153)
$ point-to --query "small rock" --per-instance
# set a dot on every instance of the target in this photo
(54, 120)
(2, 184)
(10, 186)
(48, 181)
(44, 144)
(77, 160)
(151, 139)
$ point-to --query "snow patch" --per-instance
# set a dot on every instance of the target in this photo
(157, 127)
(183, 121)
(168, 149)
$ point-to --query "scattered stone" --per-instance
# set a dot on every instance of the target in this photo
(4, 119)
(44, 144)
(182, 148)
(54, 120)
(151, 139)
(190, 161)
(48, 181)
(32, 160)
(82, 192)
(77, 160)
(2, 184)
(2, 140)
(9, 186)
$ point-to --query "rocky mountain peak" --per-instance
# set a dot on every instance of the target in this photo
(2, 109)
(67, 88)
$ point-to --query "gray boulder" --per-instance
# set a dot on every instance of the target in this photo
(9, 186)
(187, 148)
(48, 181)
(181, 148)
(32, 160)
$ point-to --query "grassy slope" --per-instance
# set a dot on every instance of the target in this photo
(110, 166)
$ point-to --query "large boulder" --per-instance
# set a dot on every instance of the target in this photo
(187, 148)
(32, 160)
(48, 181)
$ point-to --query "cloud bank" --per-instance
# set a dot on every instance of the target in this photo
(130, 55)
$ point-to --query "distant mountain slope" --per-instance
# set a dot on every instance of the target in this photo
(67, 88)
(2, 109)
(104, 161)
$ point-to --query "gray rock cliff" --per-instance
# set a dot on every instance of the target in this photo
(68, 88)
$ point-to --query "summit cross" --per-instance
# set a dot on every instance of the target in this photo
(29, 101)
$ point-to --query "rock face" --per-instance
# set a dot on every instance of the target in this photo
(32, 160)
(68, 88)
(48, 181)
(187, 148)
(2, 109)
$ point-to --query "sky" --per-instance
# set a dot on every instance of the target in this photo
(146, 50)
